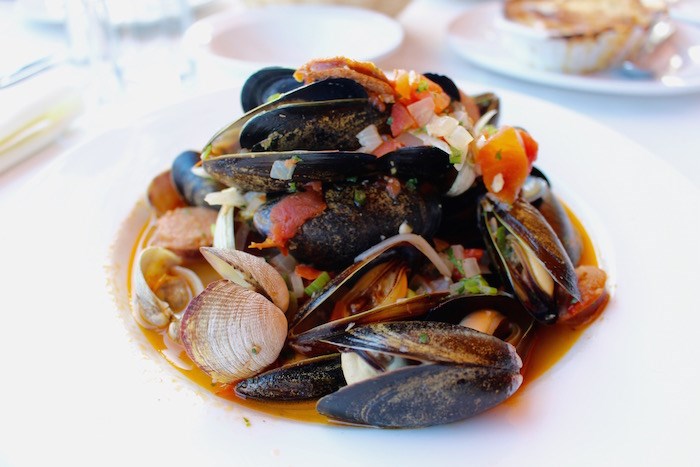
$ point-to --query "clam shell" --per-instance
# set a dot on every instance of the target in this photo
(231, 332)
(249, 271)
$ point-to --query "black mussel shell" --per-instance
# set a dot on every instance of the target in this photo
(303, 380)
(226, 140)
(251, 171)
(486, 102)
(446, 84)
(311, 126)
(460, 222)
(191, 187)
(357, 217)
(423, 164)
(265, 84)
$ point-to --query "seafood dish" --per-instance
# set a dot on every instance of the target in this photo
(362, 247)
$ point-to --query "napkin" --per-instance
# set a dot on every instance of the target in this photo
(35, 111)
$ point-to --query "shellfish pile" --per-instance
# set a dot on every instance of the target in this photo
(382, 246)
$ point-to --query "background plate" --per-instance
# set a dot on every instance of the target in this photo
(81, 388)
(474, 37)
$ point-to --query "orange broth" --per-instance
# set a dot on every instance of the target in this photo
(551, 343)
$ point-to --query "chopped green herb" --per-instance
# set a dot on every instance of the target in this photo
(318, 284)
(296, 158)
(423, 338)
(455, 156)
(246, 421)
(475, 285)
(274, 97)
(455, 261)
(292, 187)
(422, 86)
(390, 120)
(351, 179)
(359, 197)
(501, 238)
(499, 155)
(412, 184)
(255, 349)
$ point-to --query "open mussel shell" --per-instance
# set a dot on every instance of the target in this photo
(192, 187)
(322, 125)
(266, 84)
(303, 380)
(347, 227)
(537, 191)
(516, 327)
(446, 84)
(529, 255)
(316, 340)
(430, 341)
(231, 332)
(251, 171)
(470, 373)
(226, 140)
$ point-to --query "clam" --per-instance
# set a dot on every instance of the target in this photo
(231, 332)
(162, 289)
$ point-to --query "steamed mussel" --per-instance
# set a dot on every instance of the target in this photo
(382, 247)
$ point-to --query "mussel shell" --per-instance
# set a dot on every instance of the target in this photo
(486, 102)
(460, 220)
(422, 163)
(422, 395)
(525, 223)
(303, 380)
(311, 126)
(226, 140)
(540, 195)
(251, 171)
(454, 309)
(430, 341)
(265, 84)
(319, 339)
(446, 84)
(191, 187)
(332, 239)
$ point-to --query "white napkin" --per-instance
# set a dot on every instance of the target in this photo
(35, 111)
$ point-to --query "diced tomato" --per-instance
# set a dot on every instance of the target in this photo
(440, 245)
(290, 213)
(393, 186)
(591, 285)
(504, 164)
(386, 147)
(411, 87)
(477, 253)
(530, 145)
(306, 272)
(401, 120)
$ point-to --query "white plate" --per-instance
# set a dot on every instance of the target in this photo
(80, 387)
(290, 35)
(686, 10)
(474, 36)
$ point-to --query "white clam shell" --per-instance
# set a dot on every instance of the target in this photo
(249, 271)
(231, 332)
(153, 263)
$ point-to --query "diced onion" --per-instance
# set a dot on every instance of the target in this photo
(285, 264)
(408, 140)
(369, 138)
(459, 139)
(442, 126)
(283, 169)
(465, 179)
(199, 171)
(432, 141)
(224, 233)
(297, 285)
(422, 111)
(417, 241)
(483, 120)
(470, 267)
(227, 197)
